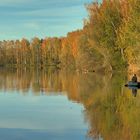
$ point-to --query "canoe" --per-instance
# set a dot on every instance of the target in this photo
(133, 84)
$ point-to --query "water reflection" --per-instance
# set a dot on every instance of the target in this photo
(134, 91)
(110, 109)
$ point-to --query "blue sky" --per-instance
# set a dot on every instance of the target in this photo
(29, 18)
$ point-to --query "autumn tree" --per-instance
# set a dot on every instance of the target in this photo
(104, 21)
(128, 38)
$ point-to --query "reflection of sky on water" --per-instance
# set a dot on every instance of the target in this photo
(19, 134)
(42, 117)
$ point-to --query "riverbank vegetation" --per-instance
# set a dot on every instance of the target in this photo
(109, 40)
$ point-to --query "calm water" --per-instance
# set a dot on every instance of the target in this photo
(56, 105)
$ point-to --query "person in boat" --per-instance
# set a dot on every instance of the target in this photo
(134, 78)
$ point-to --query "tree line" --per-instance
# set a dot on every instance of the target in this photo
(109, 41)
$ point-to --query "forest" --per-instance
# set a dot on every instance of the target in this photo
(109, 41)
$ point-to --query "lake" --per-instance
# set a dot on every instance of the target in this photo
(61, 105)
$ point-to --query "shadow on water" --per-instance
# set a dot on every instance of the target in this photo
(110, 109)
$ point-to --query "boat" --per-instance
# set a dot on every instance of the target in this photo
(133, 84)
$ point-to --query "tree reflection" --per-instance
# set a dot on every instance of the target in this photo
(111, 110)
(114, 115)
